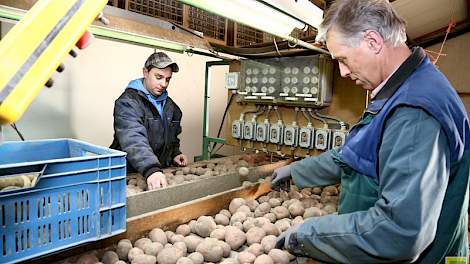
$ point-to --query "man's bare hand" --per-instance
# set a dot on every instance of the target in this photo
(156, 180)
(181, 160)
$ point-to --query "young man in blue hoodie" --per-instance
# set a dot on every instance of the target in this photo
(147, 122)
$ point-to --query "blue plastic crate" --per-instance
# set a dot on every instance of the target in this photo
(80, 197)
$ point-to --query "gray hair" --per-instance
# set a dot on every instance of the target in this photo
(351, 18)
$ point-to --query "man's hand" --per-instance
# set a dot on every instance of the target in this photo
(156, 180)
(281, 178)
(181, 160)
(288, 239)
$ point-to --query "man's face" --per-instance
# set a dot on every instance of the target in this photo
(156, 80)
(358, 63)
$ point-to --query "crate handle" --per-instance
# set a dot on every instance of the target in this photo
(16, 182)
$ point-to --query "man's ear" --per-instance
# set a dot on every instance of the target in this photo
(374, 41)
(145, 72)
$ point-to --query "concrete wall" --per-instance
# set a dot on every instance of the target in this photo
(80, 104)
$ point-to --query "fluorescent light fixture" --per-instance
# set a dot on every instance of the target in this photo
(252, 13)
(303, 10)
(270, 16)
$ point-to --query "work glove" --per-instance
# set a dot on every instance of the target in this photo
(280, 180)
(288, 239)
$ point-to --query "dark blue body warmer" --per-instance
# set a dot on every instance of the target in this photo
(424, 88)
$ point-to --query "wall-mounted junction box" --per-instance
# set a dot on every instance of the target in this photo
(290, 135)
(338, 138)
(305, 137)
(248, 130)
(322, 138)
(276, 133)
(237, 129)
(262, 132)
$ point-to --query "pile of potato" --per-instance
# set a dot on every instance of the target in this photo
(137, 183)
(27, 180)
(245, 233)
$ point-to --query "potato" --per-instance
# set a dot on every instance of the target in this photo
(142, 184)
(169, 255)
(169, 235)
(196, 257)
(211, 250)
(283, 224)
(238, 225)
(221, 219)
(252, 204)
(226, 248)
(274, 202)
(295, 195)
(262, 209)
(268, 243)
(120, 262)
(192, 241)
(87, 259)
(181, 246)
(218, 234)
(234, 237)
(235, 204)
(296, 209)
(329, 208)
(141, 242)
(244, 208)
(132, 182)
(144, 259)
(298, 220)
(153, 248)
(263, 199)
(176, 238)
(184, 260)
(271, 229)
(123, 247)
(238, 217)
(308, 202)
(110, 257)
(316, 190)
(248, 224)
(330, 190)
(230, 261)
(186, 170)
(312, 212)
(183, 230)
(306, 192)
(157, 235)
(226, 213)
(246, 257)
(264, 259)
(278, 256)
(204, 226)
(256, 249)
(133, 253)
(192, 226)
(243, 171)
(271, 217)
(281, 212)
(261, 221)
(255, 235)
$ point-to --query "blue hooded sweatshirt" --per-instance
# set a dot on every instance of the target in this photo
(158, 102)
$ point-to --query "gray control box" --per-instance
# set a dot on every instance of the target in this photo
(305, 137)
(248, 130)
(338, 138)
(290, 135)
(276, 133)
(237, 129)
(262, 132)
(322, 138)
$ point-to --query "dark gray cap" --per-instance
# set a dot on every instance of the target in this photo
(160, 60)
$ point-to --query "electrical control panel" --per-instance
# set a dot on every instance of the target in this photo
(248, 130)
(290, 135)
(305, 137)
(276, 133)
(338, 138)
(322, 138)
(237, 129)
(300, 81)
(262, 132)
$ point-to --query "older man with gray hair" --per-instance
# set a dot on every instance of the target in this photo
(404, 168)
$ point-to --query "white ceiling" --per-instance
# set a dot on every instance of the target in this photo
(426, 16)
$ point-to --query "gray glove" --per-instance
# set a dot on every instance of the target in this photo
(288, 239)
(281, 178)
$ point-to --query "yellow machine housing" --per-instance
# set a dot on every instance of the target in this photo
(36, 46)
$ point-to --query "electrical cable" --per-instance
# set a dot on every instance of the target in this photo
(223, 119)
(340, 122)
(305, 115)
(316, 117)
(13, 125)
(277, 49)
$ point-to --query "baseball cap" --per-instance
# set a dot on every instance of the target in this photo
(160, 60)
